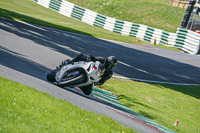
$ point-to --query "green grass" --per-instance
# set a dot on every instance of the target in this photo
(161, 102)
(155, 13)
(23, 10)
(23, 109)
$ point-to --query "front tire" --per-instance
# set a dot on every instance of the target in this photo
(51, 76)
(71, 81)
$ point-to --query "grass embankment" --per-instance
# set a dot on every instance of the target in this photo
(155, 13)
(23, 109)
(29, 11)
(160, 102)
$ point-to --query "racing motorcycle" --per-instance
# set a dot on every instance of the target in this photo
(78, 74)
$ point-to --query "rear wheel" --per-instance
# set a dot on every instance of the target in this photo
(87, 90)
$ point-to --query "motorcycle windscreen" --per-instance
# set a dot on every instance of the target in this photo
(101, 69)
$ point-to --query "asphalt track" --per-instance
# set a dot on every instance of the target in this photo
(28, 52)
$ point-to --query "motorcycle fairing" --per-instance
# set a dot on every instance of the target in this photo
(91, 71)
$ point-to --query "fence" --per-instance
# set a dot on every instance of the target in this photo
(180, 3)
(183, 39)
(194, 21)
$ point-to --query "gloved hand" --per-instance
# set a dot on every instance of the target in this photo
(64, 63)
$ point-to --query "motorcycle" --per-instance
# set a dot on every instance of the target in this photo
(77, 74)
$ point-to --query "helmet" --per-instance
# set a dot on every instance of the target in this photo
(110, 62)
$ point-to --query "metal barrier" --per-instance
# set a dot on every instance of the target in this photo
(188, 41)
(185, 40)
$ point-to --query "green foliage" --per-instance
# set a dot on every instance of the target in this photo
(23, 10)
(162, 103)
(23, 109)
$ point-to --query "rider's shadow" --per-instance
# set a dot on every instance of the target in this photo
(111, 100)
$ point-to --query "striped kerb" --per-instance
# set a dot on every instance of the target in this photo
(112, 99)
(118, 26)
(164, 38)
(100, 20)
(181, 36)
(77, 12)
(134, 30)
(55, 5)
(148, 34)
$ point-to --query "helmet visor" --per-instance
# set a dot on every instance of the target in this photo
(112, 66)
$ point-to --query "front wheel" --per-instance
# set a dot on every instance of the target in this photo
(70, 81)
(51, 76)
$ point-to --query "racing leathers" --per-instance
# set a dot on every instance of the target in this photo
(87, 90)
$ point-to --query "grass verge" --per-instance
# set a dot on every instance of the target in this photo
(23, 109)
(155, 13)
(162, 103)
(23, 10)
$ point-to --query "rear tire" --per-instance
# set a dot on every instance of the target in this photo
(71, 82)
(87, 90)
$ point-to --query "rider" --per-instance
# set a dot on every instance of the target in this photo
(109, 64)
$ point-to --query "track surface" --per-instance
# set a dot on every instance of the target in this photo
(49, 47)
(28, 52)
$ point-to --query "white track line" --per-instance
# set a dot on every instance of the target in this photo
(151, 81)
(142, 80)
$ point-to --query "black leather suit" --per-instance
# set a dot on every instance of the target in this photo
(107, 74)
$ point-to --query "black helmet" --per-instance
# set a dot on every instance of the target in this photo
(110, 63)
